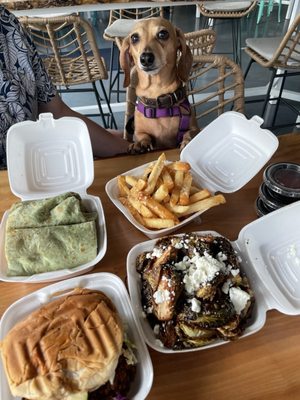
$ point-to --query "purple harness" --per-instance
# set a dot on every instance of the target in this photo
(182, 110)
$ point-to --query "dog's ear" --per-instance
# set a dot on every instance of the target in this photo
(126, 61)
(186, 58)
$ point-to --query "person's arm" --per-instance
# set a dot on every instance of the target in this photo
(104, 143)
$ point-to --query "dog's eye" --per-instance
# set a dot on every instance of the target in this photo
(134, 38)
(163, 35)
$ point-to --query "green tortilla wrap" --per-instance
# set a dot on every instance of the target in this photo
(34, 250)
(49, 234)
(64, 209)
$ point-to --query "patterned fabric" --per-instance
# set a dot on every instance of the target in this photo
(23, 79)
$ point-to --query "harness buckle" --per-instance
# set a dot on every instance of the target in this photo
(149, 112)
(165, 100)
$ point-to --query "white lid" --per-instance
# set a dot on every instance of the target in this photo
(46, 158)
(271, 247)
(49, 156)
(115, 289)
(230, 151)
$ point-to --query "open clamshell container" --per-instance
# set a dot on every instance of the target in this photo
(47, 158)
(224, 156)
(115, 289)
(269, 249)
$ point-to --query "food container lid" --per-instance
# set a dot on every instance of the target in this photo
(115, 289)
(284, 179)
(46, 158)
(49, 156)
(270, 247)
(269, 199)
(230, 151)
(261, 208)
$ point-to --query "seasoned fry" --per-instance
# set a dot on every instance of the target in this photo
(161, 193)
(132, 210)
(140, 207)
(130, 180)
(164, 194)
(123, 188)
(159, 223)
(167, 179)
(202, 194)
(140, 185)
(156, 207)
(179, 166)
(184, 195)
(174, 196)
(154, 175)
(205, 204)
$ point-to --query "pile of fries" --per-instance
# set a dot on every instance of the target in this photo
(164, 195)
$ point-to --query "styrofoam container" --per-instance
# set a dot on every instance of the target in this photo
(224, 156)
(269, 249)
(46, 158)
(115, 289)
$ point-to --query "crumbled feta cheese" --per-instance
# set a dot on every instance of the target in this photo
(160, 296)
(156, 329)
(156, 252)
(226, 286)
(178, 245)
(221, 256)
(235, 272)
(199, 270)
(195, 305)
(239, 298)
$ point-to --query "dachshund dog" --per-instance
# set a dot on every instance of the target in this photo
(162, 60)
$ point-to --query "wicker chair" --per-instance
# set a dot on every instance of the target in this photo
(234, 11)
(282, 56)
(119, 25)
(217, 86)
(69, 51)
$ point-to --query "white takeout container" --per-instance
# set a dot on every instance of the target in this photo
(115, 289)
(269, 249)
(47, 158)
(224, 156)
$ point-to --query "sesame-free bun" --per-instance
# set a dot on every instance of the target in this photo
(70, 345)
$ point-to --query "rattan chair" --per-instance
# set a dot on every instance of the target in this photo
(119, 25)
(217, 86)
(282, 56)
(71, 56)
(234, 11)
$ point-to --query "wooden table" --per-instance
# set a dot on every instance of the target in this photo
(264, 366)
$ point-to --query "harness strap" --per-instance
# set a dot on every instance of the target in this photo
(175, 111)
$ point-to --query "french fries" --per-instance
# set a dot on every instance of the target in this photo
(164, 194)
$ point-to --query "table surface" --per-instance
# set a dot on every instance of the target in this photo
(263, 366)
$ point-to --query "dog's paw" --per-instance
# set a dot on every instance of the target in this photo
(139, 147)
(184, 143)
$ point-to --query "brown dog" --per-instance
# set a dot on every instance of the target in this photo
(163, 61)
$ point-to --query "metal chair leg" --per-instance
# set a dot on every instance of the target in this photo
(113, 123)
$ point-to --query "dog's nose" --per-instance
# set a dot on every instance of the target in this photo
(147, 59)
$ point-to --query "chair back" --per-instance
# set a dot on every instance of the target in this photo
(68, 47)
(201, 42)
(215, 85)
(226, 9)
(127, 14)
(287, 55)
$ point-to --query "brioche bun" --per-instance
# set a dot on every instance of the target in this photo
(68, 346)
